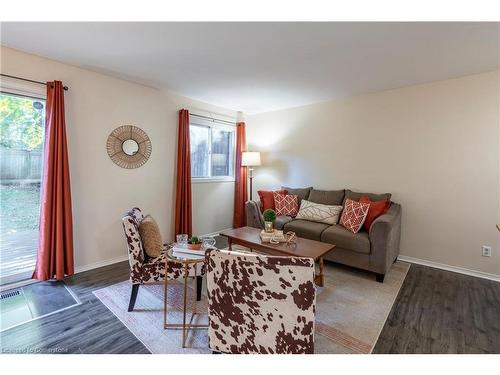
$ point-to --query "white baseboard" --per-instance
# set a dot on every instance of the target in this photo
(101, 263)
(446, 267)
(87, 267)
(107, 262)
(214, 233)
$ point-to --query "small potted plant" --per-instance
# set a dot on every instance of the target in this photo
(269, 218)
(194, 243)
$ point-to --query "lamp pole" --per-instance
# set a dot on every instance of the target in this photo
(250, 173)
(250, 159)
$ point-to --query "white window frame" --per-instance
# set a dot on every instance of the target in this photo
(214, 124)
(11, 86)
(14, 87)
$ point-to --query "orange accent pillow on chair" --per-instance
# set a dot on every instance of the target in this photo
(267, 199)
(376, 209)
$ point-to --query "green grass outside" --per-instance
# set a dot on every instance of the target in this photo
(19, 207)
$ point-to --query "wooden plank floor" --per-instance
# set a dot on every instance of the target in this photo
(435, 312)
(87, 328)
(443, 312)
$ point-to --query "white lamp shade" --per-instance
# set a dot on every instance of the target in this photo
(250, 159)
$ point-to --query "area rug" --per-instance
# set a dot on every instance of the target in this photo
(351, 310)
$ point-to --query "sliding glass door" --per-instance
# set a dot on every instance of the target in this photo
(22, 121)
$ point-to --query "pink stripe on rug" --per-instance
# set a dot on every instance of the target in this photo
(343, 338)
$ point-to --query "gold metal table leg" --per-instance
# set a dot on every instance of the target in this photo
(184, 307)
(195, 291)
(184, 326)
(165, 298)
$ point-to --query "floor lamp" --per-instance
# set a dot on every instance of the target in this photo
(250, 160)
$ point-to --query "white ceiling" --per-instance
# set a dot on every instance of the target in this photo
(258, 67)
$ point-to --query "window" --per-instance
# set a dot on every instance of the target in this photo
(212, 150)
(22, 122)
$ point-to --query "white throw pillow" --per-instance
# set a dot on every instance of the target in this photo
(320, 213)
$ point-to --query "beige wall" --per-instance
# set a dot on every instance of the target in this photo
(102, 192)
(213, 205)
(435, 147)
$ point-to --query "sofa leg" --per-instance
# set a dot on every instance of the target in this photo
(380, 277)
(199, 281)
(133, 296)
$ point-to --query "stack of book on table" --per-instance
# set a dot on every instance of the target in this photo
(276, 236)
(183, 251)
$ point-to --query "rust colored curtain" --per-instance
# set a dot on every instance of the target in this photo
(240, 185)
(183, 214)
(55, 249)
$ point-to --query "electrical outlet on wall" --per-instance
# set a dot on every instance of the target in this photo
(486, 251)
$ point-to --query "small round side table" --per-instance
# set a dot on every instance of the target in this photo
(186, 262)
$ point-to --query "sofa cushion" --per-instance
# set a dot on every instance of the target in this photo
(355, 196)
(281, 221)
(320, 213)
(306, 229)
(376, 209)
(328, 197)
(286, 204)
(341, 237)
(354, 215)
(267, 199)
(303, 193)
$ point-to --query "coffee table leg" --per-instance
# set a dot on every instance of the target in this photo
(320, 279)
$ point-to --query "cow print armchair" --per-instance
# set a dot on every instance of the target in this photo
(260, 304)
(144, 270)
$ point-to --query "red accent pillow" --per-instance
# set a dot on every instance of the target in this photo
(376, 209)
(354, 215)
(286, 205)
(267, 199)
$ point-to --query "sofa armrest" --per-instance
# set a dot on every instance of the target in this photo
(253, 214)
(385, 236)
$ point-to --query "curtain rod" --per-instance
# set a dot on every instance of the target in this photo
(211, 118)
(29, 80)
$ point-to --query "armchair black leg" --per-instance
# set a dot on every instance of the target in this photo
(380, 277)
(133, 296)
(199, 281)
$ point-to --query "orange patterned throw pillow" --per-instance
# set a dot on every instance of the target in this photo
(354, 215)
(286, 205)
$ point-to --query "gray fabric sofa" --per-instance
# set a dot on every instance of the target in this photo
(373, 251)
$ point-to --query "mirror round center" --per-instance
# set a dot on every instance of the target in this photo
(130, 147)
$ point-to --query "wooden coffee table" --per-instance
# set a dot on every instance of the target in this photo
(250, 237)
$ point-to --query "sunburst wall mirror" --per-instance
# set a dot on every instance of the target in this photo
(129, 146)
